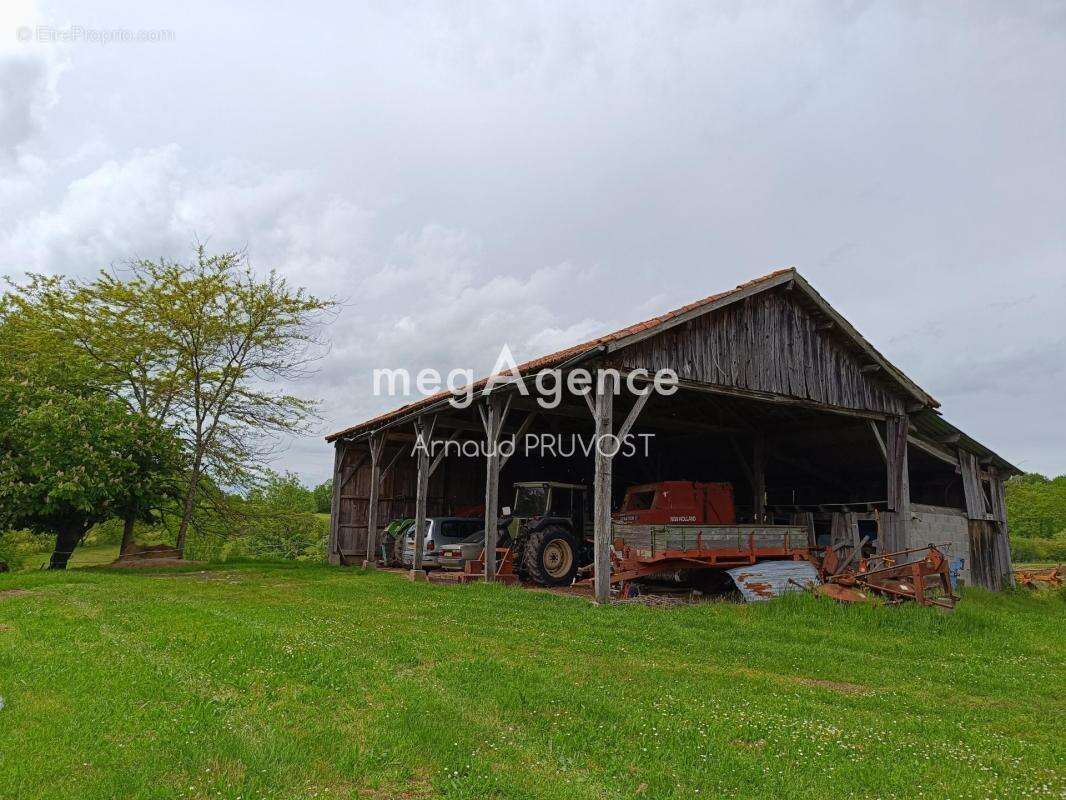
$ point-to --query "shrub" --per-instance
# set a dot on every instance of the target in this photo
(1039, 549)
(323, 497)
(109, 532)
(241, 528)
(290, 535)
(18, 548)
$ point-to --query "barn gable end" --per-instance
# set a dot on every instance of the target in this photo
(772, 342)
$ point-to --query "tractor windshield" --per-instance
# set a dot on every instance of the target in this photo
(530, 501)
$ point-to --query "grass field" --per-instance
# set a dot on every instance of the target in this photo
(292, 681)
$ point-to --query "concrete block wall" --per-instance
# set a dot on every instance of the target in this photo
(938, 525)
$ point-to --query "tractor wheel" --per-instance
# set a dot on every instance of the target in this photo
(550, 557)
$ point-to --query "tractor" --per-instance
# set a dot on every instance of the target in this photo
(547, 530)
(543, 534)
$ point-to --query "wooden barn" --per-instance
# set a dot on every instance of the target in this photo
(778, 395)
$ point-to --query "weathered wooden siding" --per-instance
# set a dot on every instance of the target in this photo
(989, 545)
(896, 520)
(767, 343)
(458, 482)
(997, 490)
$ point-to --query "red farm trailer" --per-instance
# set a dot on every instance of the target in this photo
(675, 526)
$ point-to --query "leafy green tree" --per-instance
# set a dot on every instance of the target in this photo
(323, 497)
(16, 547)
(1036, 506)
(115, 342)
(1036, 516)
(275, 520)
(71, 454)
(206, 347)
(284, 493)
(68, 462)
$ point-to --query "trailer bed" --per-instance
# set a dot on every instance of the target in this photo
(642, 550)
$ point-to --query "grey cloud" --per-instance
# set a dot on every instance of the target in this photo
(1027, 371)
(465, 174)
(22, 82)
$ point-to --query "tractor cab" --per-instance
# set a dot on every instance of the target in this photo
(538, 500)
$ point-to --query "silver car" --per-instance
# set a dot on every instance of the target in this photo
(455, 556)
(440, 531)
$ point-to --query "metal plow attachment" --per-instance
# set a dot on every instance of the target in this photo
(919, 574)
(1034, 578)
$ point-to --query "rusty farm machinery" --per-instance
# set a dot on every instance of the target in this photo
(918, 574)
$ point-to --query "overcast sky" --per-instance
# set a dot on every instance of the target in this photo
(465, 174)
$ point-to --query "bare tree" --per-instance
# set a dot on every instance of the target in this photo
(238, 341)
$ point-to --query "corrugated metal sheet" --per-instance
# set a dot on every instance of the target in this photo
(769, 579)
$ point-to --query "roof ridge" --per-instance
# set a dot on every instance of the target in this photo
(561, 355)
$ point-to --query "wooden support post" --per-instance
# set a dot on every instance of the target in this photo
(424, 432)
(999, 512)
(601, 491)
(896, 520)
(989, 559)
(838, 531)
(522, 430)
(334, 551)
(880, 441)
(852, 520)
(392, 462)
(492, 419)
(607, 446)
(758, 475)
(976, 506)
(807, 520)
(634, 412)
(437, 459)
(377, 447)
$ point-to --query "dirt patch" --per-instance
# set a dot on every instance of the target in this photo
(749, 744)
(658, 600)
(14, 593)
(203, 575)
(835, 686)
(137, 563)
(416, 786)
(840, 687)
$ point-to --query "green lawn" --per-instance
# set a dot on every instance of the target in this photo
(92, 556)
(288, 681)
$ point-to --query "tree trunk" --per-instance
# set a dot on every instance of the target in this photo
(66, 540)
(127, 535)
(186, 511)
